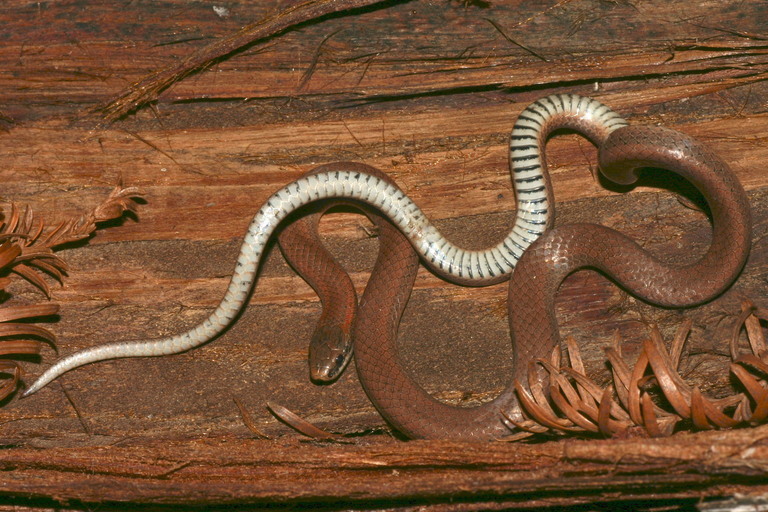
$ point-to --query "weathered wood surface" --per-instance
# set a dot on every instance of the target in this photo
(428, 92)
(433, 475)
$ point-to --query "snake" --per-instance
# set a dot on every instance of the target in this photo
(535, 208)
(627, 153)
(331, 343)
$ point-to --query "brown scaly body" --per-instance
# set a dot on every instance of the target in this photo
(540, 271)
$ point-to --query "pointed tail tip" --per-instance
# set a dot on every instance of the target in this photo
(31, 390)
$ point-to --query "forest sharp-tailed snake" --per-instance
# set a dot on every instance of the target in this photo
(331, 344)
(538, 276)
(534, 214)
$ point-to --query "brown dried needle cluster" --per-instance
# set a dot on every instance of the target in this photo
(652, 394)
(26, 250)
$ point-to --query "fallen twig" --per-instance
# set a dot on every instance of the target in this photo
(147, 89)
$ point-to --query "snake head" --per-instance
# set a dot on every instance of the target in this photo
(330, 351)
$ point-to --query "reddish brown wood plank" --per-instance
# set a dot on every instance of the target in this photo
(383, 474)
(428, 92)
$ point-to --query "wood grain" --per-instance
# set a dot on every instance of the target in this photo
(428, 92)
(437, 475)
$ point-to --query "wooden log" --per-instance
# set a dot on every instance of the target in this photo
(380, 474)
(428, 92)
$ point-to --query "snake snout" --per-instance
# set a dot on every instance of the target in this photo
(330, 351)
